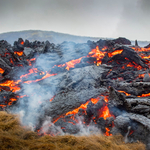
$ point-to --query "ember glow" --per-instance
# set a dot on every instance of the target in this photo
(97, 54)
(141, 49)
(83, 106)
(107, 132)
(12, 85)
(104, 112)
(144, 95)
(71, 64)
(19, 53)
(22, 43)
(125, 93)
(12, 100)
(2, 70)
(115, 53)
(142, 52)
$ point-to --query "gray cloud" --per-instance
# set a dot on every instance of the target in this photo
(99, 18)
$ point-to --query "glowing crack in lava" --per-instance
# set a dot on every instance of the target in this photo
(97, 54)
(103, 112)
(15, 87)
(143, 53)
(2, 70)
(19, 53)
(115, 53)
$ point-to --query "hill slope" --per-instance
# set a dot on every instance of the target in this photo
(53, 37)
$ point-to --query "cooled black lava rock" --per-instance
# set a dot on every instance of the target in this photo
(122, 40)
(67, 89)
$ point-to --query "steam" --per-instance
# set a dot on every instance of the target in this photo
(37, 95)
(49, 128)
(87, 130)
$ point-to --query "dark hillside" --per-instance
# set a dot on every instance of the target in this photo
(53, 37)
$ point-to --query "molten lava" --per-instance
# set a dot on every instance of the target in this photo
(115, 53)
(125, 93)
(107, 132)
(2, 71)
(104, 112)
(19, 53)
(12, 100)
(22, 43)
(11, 84)
(144, 95)
(75, 111)
(71, 64)
(96, 53)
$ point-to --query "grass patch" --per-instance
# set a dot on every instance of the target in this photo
(14, 137)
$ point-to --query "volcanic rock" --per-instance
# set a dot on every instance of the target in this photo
(122, 40)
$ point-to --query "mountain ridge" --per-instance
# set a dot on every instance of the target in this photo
(52, 37)
(39, 35)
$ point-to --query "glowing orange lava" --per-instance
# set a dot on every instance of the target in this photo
(75, 111)
(11, 61)
(51, 99)
(125, 93)
(97, 54)
(2, 71)
(22, 43)
(144, 95)
(31, 60)
(19, 53)
(106, 99)
(2, 105)
(34, 70)
(95, 100)
(115, 53)
(12, 100)
(107, 132)
(72, 63)
(11, 84)
(141, 49)
(104, 112)
(21, 96)
(134, 65)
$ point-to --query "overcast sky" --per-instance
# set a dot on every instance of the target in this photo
(96, 18)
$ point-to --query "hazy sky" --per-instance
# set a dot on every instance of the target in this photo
(97, 18)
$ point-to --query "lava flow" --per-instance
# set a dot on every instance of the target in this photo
(39, 75)
(19, 53)
(14, 85)
(115, 53)
(99, 55)
(103, 112)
